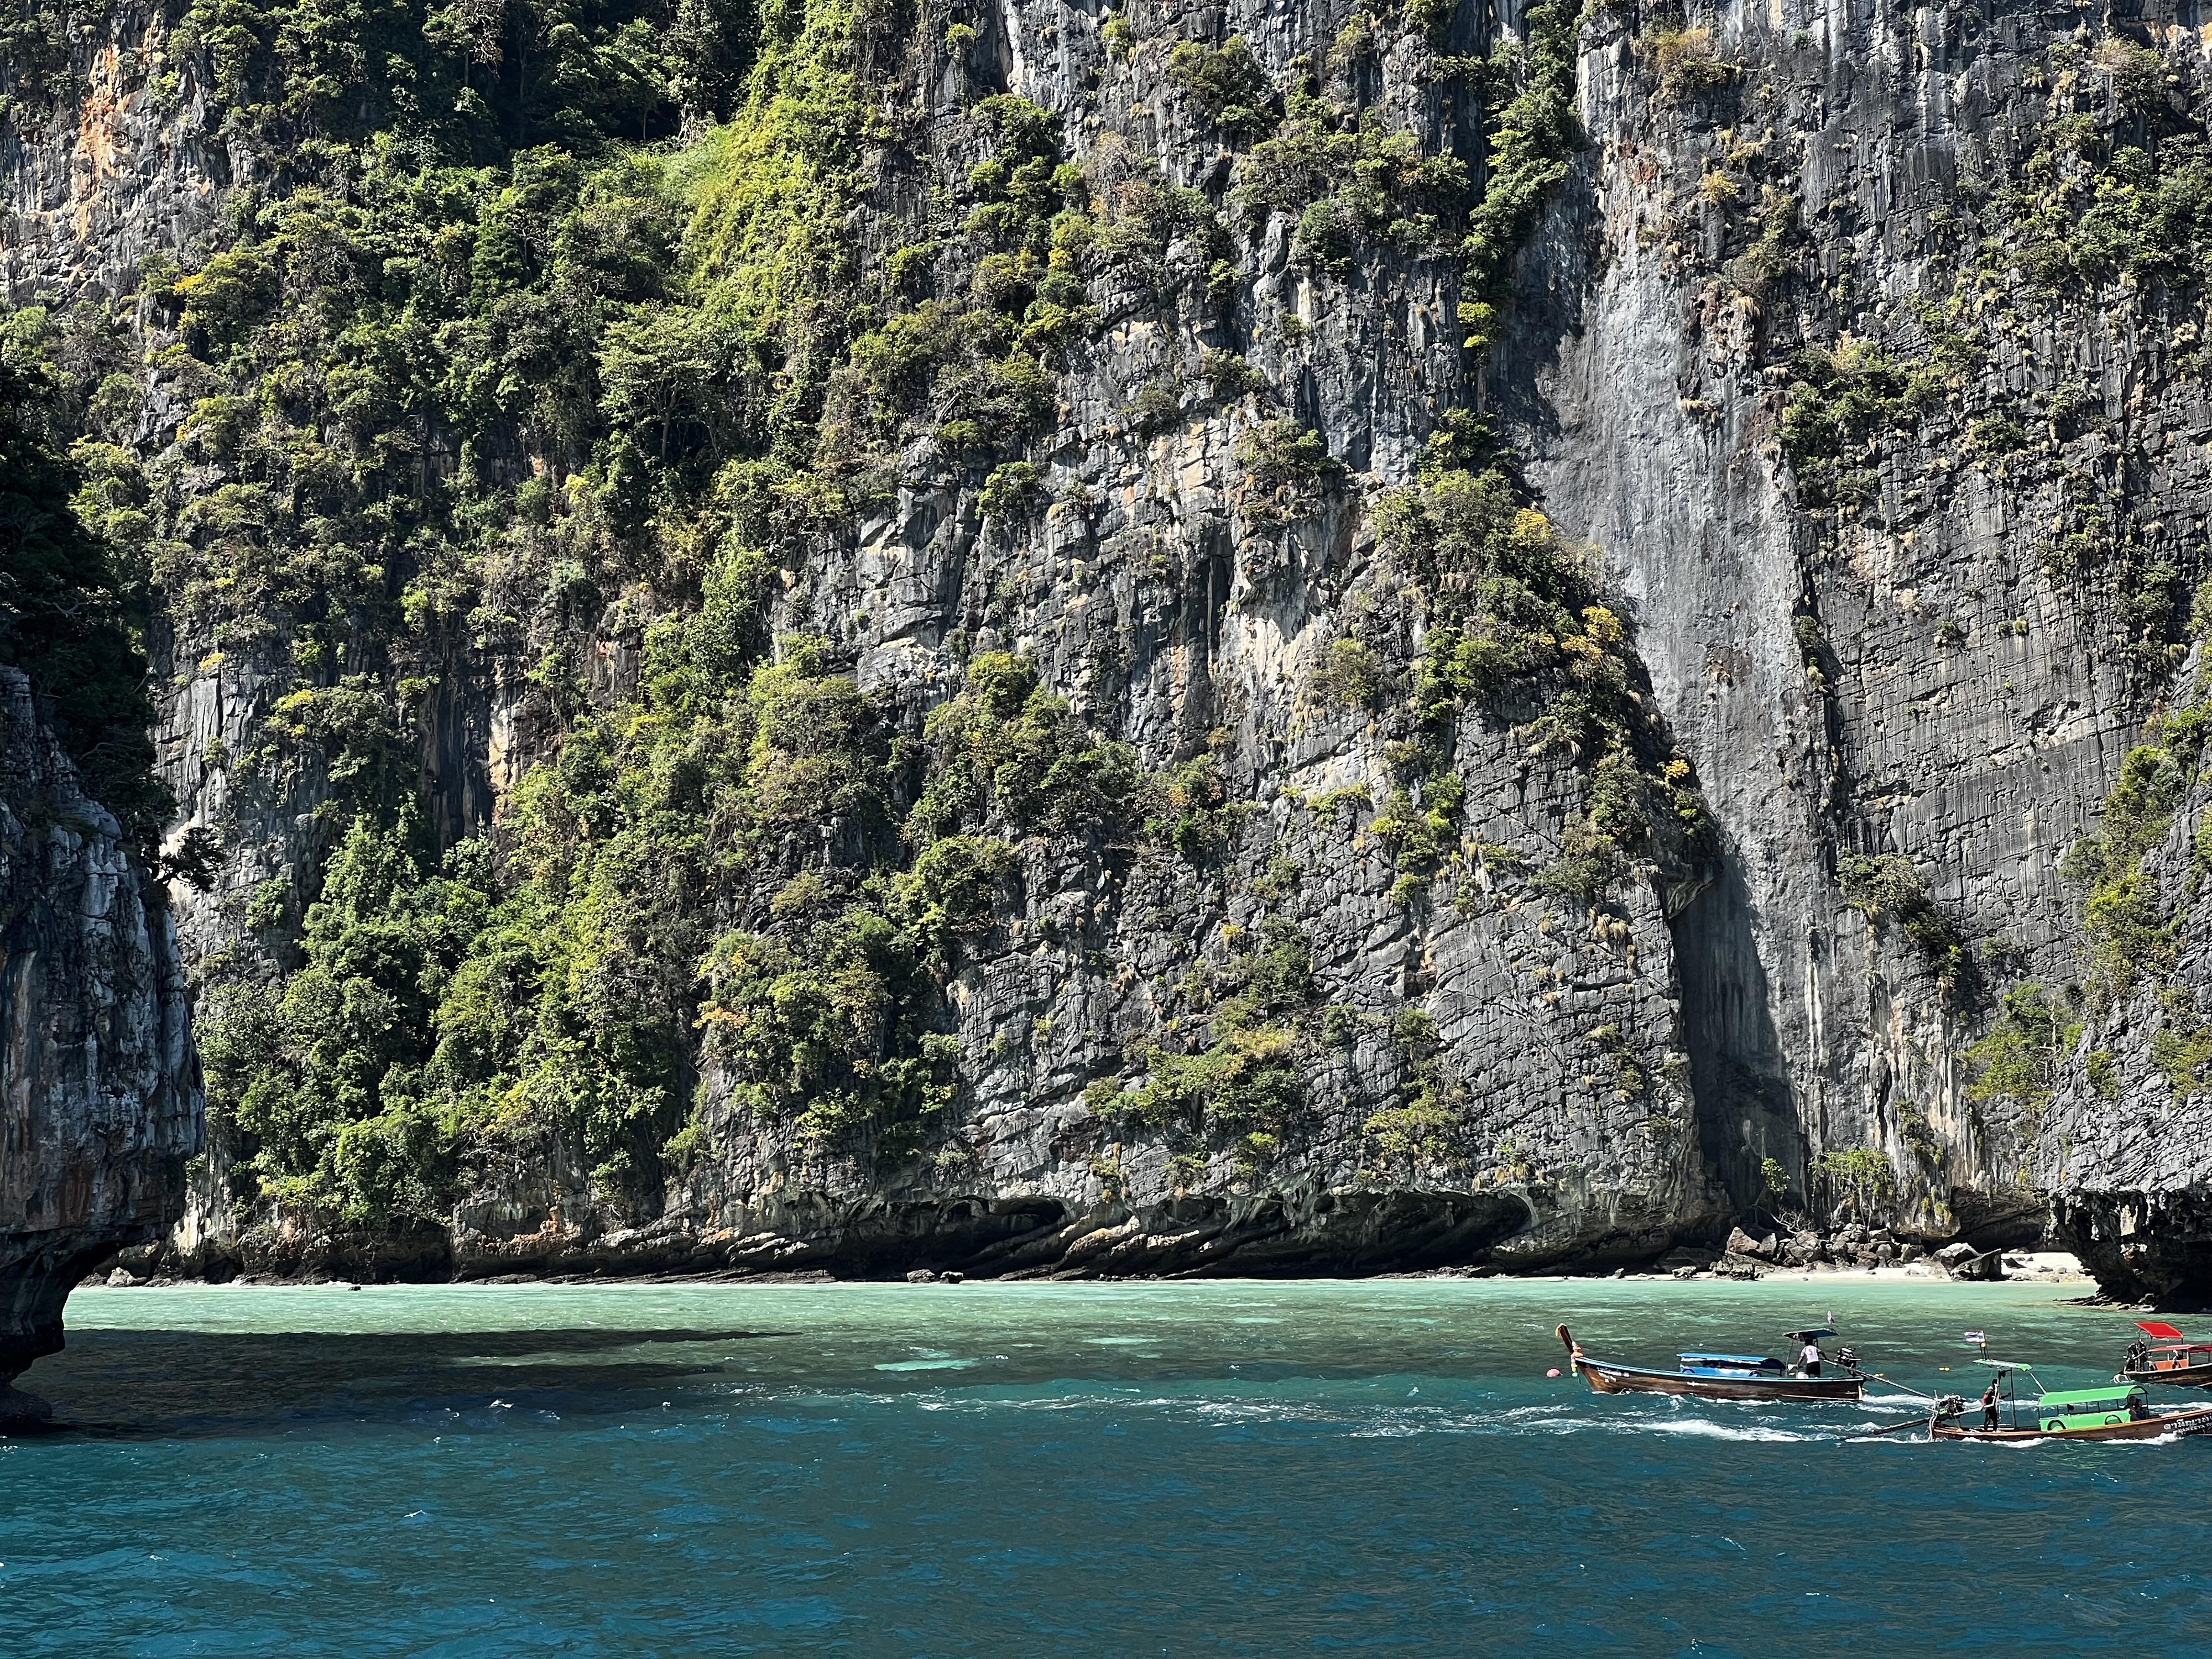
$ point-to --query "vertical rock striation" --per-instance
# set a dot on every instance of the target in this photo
(1895, 432)
(99, 1099)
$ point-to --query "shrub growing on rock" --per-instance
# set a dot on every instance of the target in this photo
(1226, 84)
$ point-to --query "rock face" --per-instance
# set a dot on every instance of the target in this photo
(1891, 454)
(2128, 1135)
(100, 1102)
(1899, 668)
(1927, 641)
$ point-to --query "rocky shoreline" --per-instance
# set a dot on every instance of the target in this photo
(1300, 1230)
(1803, 1256)
(2056, 1267)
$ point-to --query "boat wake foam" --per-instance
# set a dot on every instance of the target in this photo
(1705, 1428)
(1372, 1420)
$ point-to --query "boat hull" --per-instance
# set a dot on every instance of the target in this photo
(1606, 1378)
(2178, 1376)
(2196, 1421)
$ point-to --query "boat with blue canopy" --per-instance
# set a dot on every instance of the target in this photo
(1705, 1376)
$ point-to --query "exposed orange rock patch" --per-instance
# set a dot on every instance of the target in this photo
(98, 150)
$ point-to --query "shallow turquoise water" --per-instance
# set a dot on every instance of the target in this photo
(1224, 1469)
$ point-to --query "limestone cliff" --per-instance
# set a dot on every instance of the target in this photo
(1913, 528)
(1176, 638)
(99, 1090)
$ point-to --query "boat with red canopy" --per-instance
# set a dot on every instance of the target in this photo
(2164, 1356)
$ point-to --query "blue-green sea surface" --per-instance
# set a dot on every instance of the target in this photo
(1236, 1467)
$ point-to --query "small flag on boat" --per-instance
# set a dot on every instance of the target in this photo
(1977, 1337)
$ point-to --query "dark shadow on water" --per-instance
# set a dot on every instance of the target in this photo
(155, 1384)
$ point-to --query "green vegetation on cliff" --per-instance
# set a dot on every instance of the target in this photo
(345, 1074)
(2123, 919)
(469, 380)
(72, 608)
(1514, 608)
(1531, 131)
(532, 381)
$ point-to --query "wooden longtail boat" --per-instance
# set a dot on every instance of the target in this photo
(2116, 1410)
(2197, 1419)
(1713, 1376)
(2175, 1362)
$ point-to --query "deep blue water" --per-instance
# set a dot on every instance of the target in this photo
(1231, 1468)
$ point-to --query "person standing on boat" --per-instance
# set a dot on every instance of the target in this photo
(1810, 1359)
(1990, 1405)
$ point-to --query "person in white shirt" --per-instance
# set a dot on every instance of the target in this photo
(1809, 1360)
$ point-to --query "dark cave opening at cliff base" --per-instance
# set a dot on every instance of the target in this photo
(2153, 1248)
(1348, 1233)
(35, 1281)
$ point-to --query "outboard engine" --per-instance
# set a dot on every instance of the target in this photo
(1848, 1358)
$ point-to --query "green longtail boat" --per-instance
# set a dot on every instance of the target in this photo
(2111, 1411)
